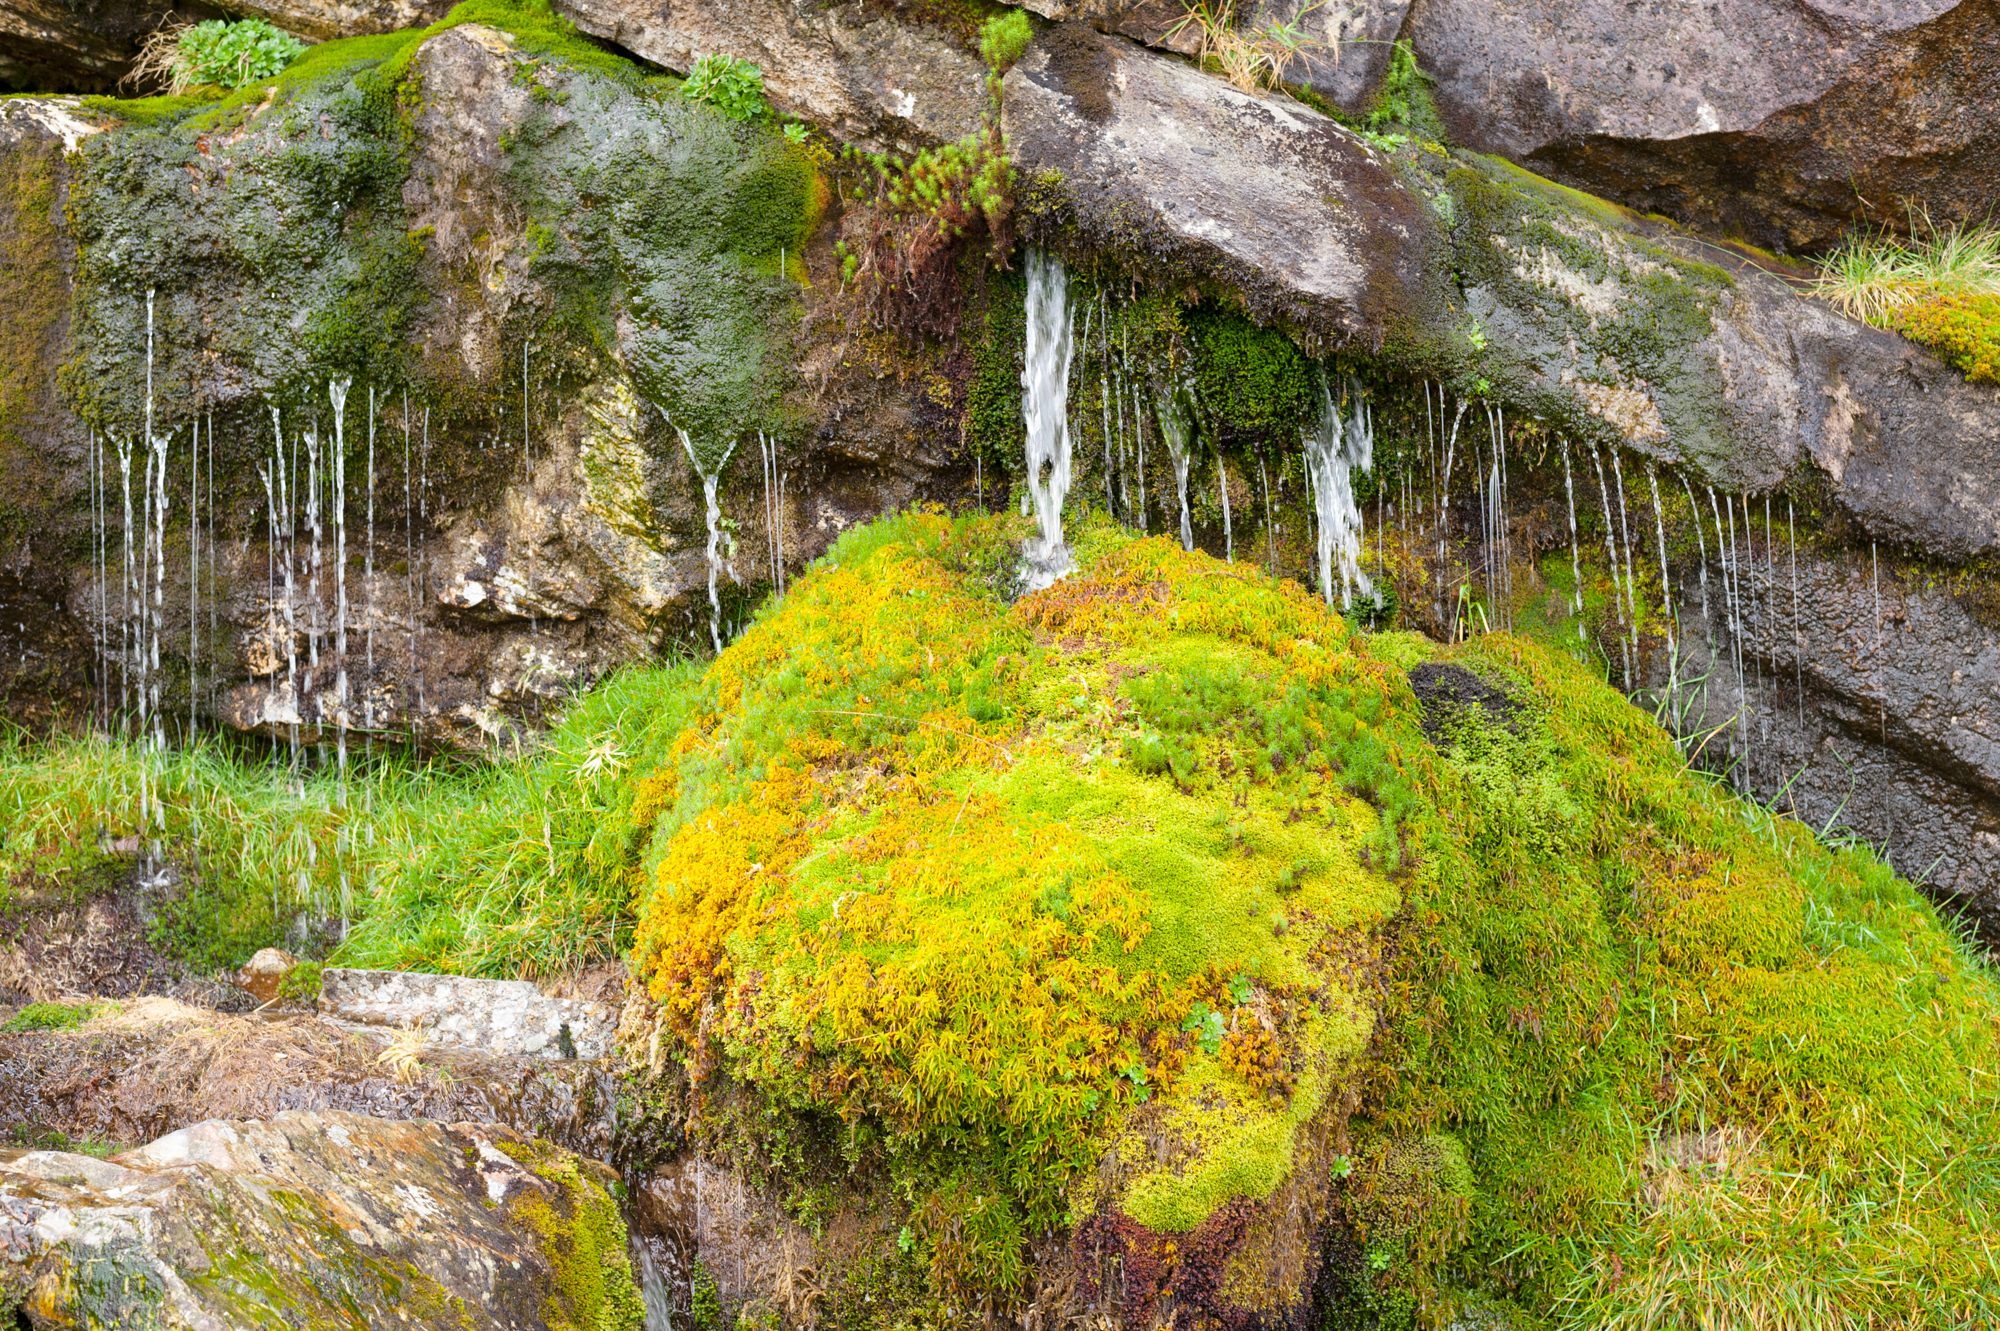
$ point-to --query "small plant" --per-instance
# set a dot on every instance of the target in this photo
(1003, 38)
(796, 133)
(1253, 60)
(732, 86)
(1940, 287)
(215, 54)
(49, 1017)
(301, 984)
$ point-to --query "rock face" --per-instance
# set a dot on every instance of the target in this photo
(1866, 696)
(507, 1018)
(1141, 156)
(1786, 122)
(310, 1216)
(537, 521)
(863, 74)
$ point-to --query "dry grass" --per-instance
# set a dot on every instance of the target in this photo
(1254, 59)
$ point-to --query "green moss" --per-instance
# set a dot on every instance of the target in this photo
(583, 1239)
(31, 287)
(1254, 382)
(994, 430)
(50, 1017)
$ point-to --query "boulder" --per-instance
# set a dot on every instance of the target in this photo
(264, 974)
(1785, 122)
(305, 1218)
(1138, 156)
(1580, 313)
(503, 1018)
(865, 75)
(60, 46)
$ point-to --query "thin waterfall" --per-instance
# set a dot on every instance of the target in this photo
(1668, 614)
(1625, 531)
(1575, 550)
(1701, 568)
(767, 449)
(1336, 449)
(1270, 522)
(711, 494)
(1222, 488)
(1045, 410)
(1798, 636)
(1611, 553)
(336, 391)
(194, 569)
(1178, 431)
(368, 580)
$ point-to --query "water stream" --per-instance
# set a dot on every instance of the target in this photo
(1045, 411)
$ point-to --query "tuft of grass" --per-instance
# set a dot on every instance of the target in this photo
(1253, 59)
(1940, 287)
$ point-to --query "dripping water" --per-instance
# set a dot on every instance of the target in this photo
(1045, 409)
(1335, 450)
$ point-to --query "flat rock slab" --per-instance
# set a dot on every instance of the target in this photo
(502, 1018)
(302, 1220)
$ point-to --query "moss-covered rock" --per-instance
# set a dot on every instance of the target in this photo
(1133, 907)
(317, 1220)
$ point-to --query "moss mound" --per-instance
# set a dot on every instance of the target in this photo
(1125, 898)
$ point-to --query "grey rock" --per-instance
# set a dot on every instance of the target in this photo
(1134, 154)
(142, 1067)
(502, 1018)
(1782, 121)
(304, 1218)
(863, 74)
(1867, 701)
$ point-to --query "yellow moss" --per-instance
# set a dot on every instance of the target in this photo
(583, 1238)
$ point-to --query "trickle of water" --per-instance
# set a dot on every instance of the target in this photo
(1881, 697)
(1222, 488)
(194, 570)
(336, 392)
(1575, 551)
(1178, 432)
(1667, 611)
(1270, 522)
(1045, 409)
(1798, 636)
(1336, 449)
(1611, 554)
(711, 482)
(1625, 531)
(368, 581)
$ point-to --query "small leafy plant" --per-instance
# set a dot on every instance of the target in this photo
(1003, 38)
(222, 54)
(732, 86)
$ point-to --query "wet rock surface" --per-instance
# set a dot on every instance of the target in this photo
(1786, 122)
(1865, 698)
(306, 1217)
(1139, 155)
